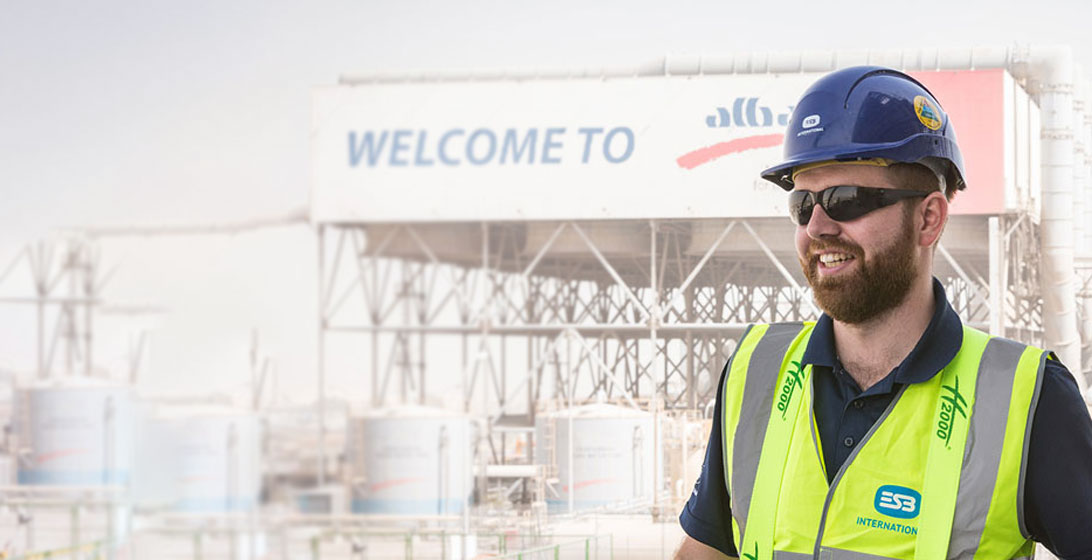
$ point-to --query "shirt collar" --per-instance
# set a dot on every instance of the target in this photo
(935, 349)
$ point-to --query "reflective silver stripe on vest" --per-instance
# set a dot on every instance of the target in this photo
(838, 554)
(782, 555)
(985, 438)
(1027, 442)
(754, 414)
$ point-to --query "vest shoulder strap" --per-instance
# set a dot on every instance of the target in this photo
(760, 368)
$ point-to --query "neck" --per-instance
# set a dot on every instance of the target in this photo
(870, 350)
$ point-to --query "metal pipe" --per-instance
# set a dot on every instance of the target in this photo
(997, 291)
(1080, 154)
(293, 217)
(1083, 217)
(1053, 80)
(570, 388)
(321, 355)
(755, 62)
(654, 320)
(546, 329)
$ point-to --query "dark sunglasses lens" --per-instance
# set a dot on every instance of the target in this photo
(800, 207)
(845, 203)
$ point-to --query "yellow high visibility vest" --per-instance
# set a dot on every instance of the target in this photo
(940, 474)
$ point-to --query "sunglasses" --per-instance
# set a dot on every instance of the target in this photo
(844, 203)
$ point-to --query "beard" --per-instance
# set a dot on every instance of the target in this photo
(876, 285)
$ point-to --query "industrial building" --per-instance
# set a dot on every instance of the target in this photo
(548, 272)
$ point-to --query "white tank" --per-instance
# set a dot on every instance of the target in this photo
(411, 460)
(7, 470)
(75, 432)
(7, 401)
(612, 455)
(198, 459)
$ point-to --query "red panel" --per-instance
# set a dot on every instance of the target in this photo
(974, 101)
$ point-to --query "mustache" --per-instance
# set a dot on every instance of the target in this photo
(832, 245)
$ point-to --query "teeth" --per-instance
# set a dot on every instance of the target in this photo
(833, 258)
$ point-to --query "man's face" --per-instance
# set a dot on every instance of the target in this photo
(861, 268)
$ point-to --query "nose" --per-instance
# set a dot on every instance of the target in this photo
(820, 225)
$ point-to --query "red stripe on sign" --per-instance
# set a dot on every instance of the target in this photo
(587, 483)
(710, 153)
(47, 457)
(392, 483)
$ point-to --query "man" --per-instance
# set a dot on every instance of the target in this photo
(886, 429)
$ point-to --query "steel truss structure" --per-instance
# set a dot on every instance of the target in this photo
(638, 312)
(556, 314)
(67, 279)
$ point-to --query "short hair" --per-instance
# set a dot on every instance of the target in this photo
(918, 177)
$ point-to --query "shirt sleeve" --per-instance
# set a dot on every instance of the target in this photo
(1058, 483)
(707, 516)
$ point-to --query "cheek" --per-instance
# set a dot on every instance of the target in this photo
(802, 241)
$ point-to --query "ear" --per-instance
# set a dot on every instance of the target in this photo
(933, 214)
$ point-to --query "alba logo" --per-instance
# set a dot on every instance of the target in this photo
(810, 121)
(898, 501)
(746, 112)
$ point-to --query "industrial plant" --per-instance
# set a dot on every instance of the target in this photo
(545, 274)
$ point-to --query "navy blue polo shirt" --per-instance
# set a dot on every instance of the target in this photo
(1058, 487)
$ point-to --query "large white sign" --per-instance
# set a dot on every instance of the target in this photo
(651, 147)
(550, 149)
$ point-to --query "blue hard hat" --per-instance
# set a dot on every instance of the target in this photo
(865, 113)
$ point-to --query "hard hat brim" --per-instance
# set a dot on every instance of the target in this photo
(909, 150)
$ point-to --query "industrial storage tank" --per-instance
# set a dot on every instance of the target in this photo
(198, 459)
(410, 460)
(612, 455)
(7, 469)
(74, 432)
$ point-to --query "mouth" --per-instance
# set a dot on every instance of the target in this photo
(834, 261)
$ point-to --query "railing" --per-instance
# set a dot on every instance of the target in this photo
(415, 544)
(90, 551)
(568, 549)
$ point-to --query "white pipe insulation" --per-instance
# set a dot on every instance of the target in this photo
(1080, 172)
(1052, 80)
(1084, 243)
(1012, 58)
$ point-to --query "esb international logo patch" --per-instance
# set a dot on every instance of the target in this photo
(898, 501)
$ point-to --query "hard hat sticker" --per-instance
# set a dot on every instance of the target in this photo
(928, 113)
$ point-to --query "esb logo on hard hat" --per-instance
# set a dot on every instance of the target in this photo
(868, 112)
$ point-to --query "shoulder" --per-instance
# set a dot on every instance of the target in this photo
(1058, 486)
(757, 331)
(765, 340)
(1059, 391)
(1061, 414)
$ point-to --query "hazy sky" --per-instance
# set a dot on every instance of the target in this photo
(118, 113)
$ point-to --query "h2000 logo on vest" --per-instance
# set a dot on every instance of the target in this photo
(794, 379)
(949, 406)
